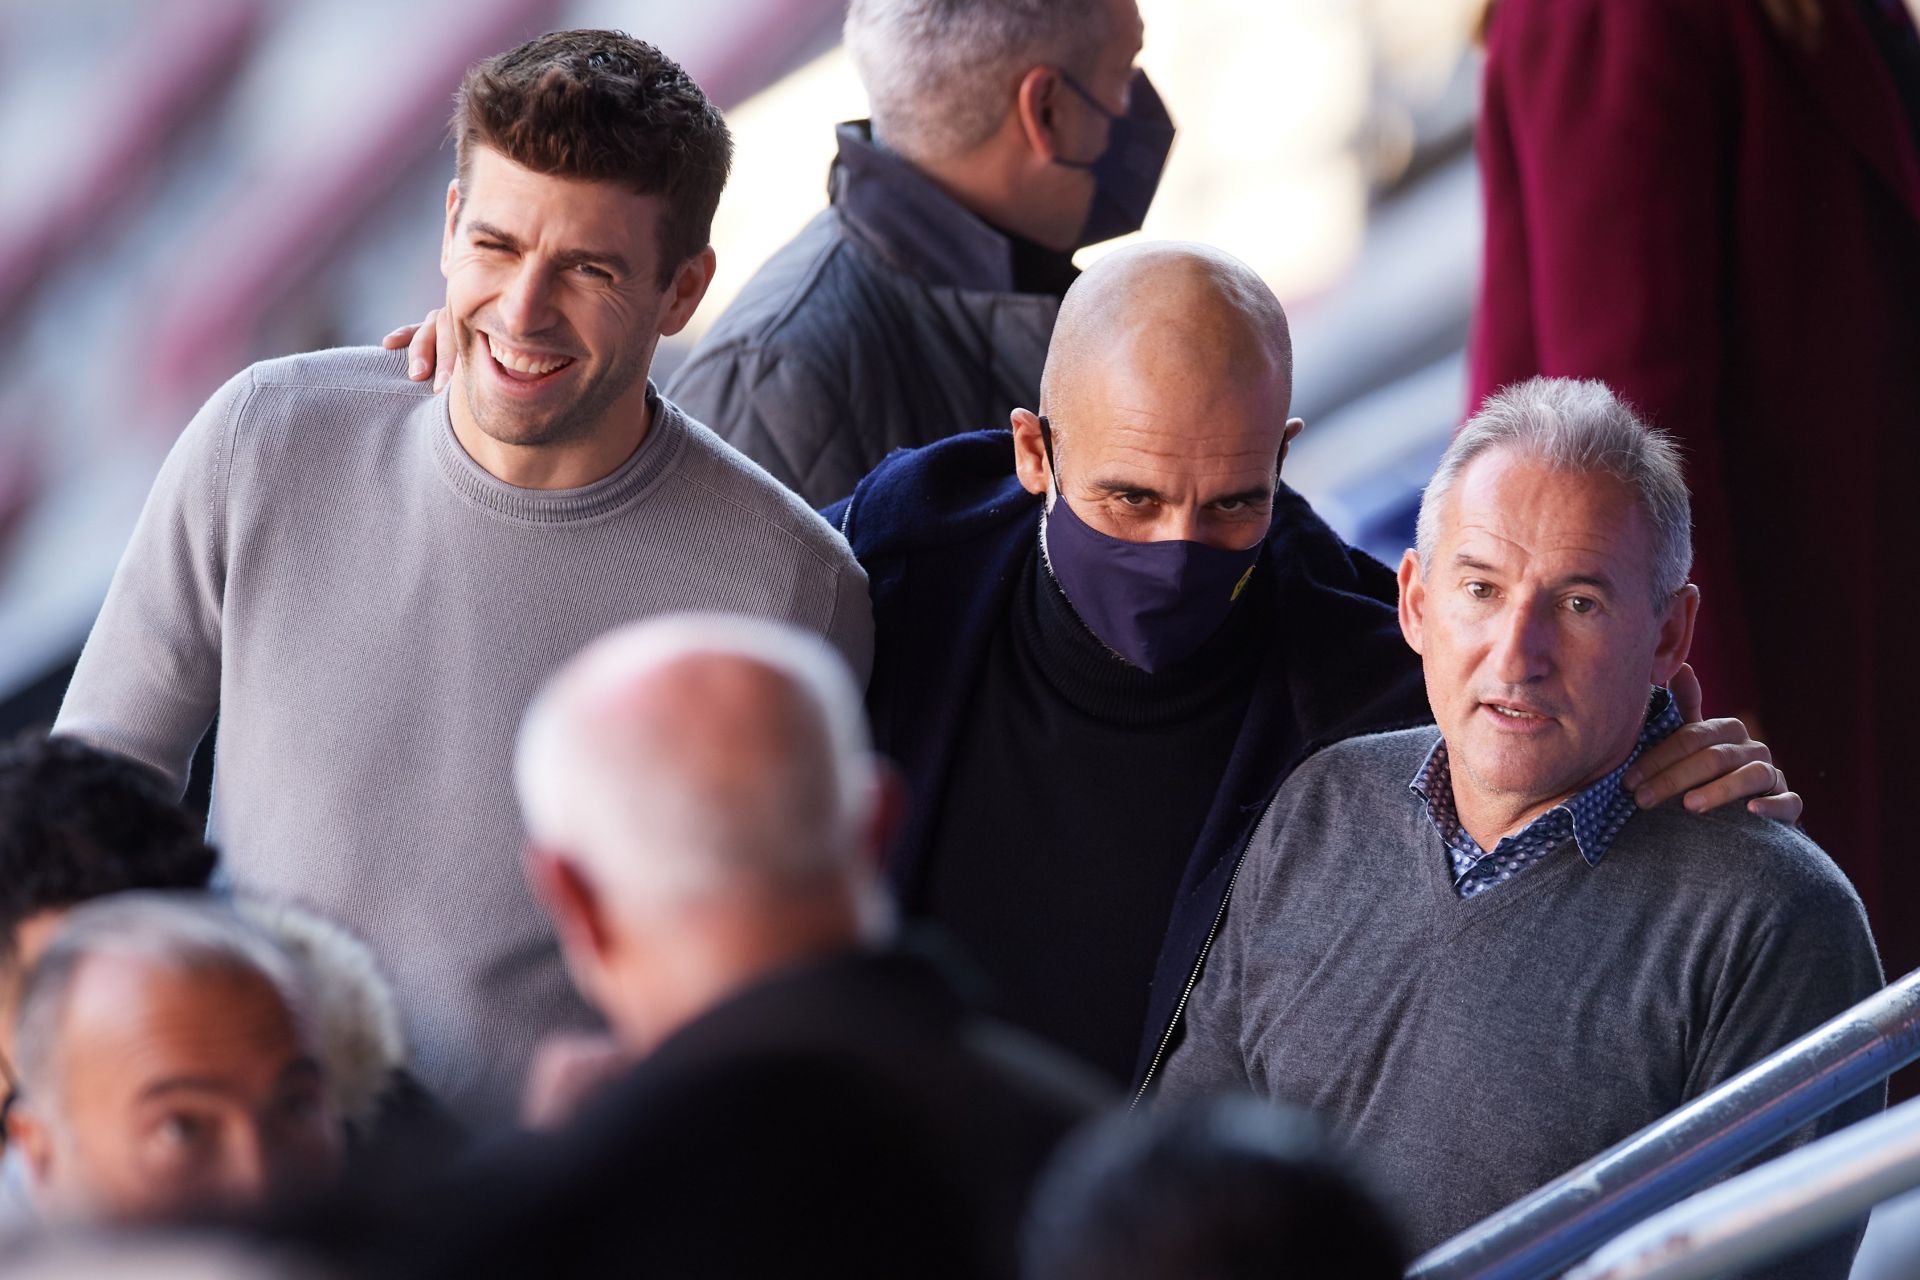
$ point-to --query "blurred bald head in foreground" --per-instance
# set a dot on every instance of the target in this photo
(702, 808)
(784, 1083)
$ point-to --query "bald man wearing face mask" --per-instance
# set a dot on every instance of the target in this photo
(1096, 665)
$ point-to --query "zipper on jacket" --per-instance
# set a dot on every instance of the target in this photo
(1193, 978)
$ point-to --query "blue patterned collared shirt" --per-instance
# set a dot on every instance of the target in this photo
(1592, 818)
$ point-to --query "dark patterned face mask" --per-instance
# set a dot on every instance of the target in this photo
(1127, 173)
(1153, 603)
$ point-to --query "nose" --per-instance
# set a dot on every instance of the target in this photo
(246, 1175)
(1182, 523)
(525, 304)
(1523, 649)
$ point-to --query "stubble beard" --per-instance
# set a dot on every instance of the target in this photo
(564, 424)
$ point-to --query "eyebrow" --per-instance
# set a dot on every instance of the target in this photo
(300, 1069)
(185, 1084)
(566, 257)
(1260, 494)
(1598, 580)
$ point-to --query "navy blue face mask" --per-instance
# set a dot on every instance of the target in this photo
(1127, 173)
(1153, 603)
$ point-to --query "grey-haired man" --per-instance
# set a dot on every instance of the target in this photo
(1468, 948)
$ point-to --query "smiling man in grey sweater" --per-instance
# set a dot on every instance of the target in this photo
(368, 581)
(1468, 949)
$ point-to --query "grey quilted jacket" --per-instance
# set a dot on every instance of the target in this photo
(892, 320)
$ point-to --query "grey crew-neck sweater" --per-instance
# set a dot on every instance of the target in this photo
(1472, 1049)
(370, 611)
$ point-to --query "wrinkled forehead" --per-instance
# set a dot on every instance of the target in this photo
(130, 1025)
(1512, 508)
(1170, 417)
(573, 212)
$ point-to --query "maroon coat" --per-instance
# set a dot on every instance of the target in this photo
(1726, 227)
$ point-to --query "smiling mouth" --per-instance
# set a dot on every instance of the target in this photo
(524, 366)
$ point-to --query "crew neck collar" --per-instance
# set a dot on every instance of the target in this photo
(481, 487)
(925, 232)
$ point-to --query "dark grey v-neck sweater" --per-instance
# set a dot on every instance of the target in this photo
(1472, 1049)
(370, 612)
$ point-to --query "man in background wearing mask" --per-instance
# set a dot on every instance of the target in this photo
(1095, 667)
(1005, 135)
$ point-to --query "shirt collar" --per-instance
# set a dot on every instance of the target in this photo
(916, 226)
(1597, 812)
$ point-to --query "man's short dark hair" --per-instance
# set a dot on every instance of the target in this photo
(603, 107)
(1222, 1189)
(78, 823)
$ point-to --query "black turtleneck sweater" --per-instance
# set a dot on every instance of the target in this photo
(1076, 794)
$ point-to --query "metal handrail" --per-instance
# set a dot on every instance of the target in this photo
(1754, 1218)
(1543, 1232)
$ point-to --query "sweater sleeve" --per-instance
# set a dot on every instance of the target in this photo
(148, 681)
(850, 629)
(1810, 959)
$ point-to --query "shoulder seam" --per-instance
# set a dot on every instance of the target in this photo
(762, 517)
(220, 488)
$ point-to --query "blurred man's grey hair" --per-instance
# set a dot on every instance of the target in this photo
(1576, 425)
(184, 933)
(669, 809)
(354, 1016)
(941, 74)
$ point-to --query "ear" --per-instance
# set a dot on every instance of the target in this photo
(1676, 633)
(453, 219)
(29, 1135)
(1033, 102)
(1029, 452)
(1293, 428)
(889, 814)
(689, 286)
(1413, 600)
(571, 902)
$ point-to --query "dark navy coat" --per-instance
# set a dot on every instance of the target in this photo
(943, 532)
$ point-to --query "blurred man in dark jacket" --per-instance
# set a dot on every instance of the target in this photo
(1096, 664)
(798, 1096)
